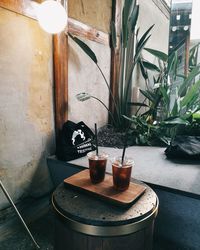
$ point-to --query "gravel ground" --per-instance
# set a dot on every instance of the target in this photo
(109, 137)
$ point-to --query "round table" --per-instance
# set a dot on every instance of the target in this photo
(84, 222)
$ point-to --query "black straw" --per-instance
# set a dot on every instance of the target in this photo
(124, 148)
(96, 139)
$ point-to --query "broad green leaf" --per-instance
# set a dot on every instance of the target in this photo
(165, 95)
(125, 15)
(175, 65)
(148, 95)
(150, 66)
(137, 32)
(193, 58)
(196, 116)
(181, 76)
(147, 112)
(172, 64)
(189, 80)
(170, 61)
(174, 111)
(161, 55)
(194, 47)
(192, 55)
(154, 80)
(128, 6)
(194, 102)
(143, 71)
(175, 121)
(195, 109)
(143, 140)
(85, 48)
(132, 119)
(144, 36)
(133, 18)
(190, 94)
(139, 48)
(157, 85)
(161, 65)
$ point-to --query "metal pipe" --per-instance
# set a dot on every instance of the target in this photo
(18, 214)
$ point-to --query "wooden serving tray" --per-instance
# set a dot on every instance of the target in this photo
(105, 189)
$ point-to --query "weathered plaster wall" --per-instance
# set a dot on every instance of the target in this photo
(96, 13)
(85, 77)
(26, 106)
(83, 73)
(152, 12)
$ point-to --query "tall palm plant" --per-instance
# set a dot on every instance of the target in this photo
(130, 50)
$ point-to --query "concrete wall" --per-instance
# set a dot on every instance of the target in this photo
(26, 106)
(152, 12)
(85, 77)
(83, 73)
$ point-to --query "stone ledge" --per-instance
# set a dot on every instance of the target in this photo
(152, 166)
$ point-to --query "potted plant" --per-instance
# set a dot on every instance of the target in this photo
(131, 47)
(166, 112)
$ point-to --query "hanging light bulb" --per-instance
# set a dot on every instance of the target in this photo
(52, 16)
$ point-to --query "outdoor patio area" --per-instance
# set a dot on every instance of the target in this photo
(99, 125)
(43, 231)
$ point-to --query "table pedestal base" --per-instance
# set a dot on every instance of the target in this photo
(68, 239)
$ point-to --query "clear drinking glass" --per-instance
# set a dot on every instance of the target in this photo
(122, 173)
(97, 166)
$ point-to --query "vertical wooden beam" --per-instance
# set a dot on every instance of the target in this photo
(60, 55)
(115, 53)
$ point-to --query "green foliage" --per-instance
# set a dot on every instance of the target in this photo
(167, 112)
(131, 47)
(159, 54)
(167, 109)
(193, 58)
(85, 48)
(144, 133)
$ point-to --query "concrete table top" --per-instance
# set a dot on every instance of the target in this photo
(152, 166)
(86, 209)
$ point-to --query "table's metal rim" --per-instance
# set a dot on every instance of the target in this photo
(106, 231)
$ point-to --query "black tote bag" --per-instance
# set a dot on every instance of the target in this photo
(74, 141)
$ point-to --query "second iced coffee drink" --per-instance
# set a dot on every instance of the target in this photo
(121, 173)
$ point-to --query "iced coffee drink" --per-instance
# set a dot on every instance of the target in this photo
(97, 166)
(121, 173)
